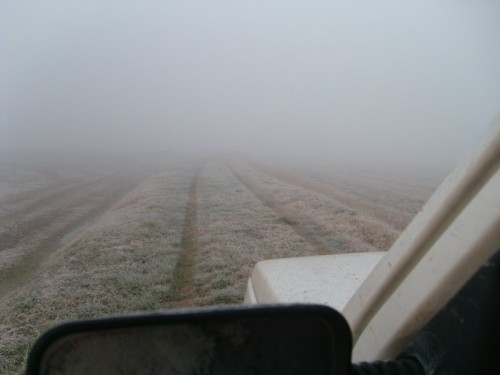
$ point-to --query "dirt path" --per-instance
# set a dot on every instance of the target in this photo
(183, 276)
(21, 272)
(302, 231)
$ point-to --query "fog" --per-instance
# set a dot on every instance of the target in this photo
(413, 82)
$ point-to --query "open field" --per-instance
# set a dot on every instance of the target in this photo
(42, 209)
(85, 243)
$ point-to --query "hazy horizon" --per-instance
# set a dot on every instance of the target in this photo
(381, 83)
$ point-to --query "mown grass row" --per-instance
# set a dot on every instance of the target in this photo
(235, 230)
(336, 226)
(390, 195)
(122, 264)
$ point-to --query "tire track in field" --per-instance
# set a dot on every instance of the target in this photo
(50, 197)
(321, 249)
(26, 196)
(20, 273)
(183, 289)
(291, 179)
(25, 223)
(56, 180)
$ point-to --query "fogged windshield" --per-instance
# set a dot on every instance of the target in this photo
(152, 152)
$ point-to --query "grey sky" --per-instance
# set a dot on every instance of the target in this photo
(415, 81)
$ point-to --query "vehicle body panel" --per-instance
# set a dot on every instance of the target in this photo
(455, 233)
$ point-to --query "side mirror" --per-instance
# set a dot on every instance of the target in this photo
(295, 339)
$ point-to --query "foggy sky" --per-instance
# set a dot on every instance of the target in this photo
(417, 81)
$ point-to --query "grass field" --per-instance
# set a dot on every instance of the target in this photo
(80, 243)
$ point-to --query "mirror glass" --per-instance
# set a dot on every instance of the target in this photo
(202, 344)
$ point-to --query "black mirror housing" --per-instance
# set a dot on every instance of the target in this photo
(284, 339)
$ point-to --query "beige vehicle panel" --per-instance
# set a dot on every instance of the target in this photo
(392, 297)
